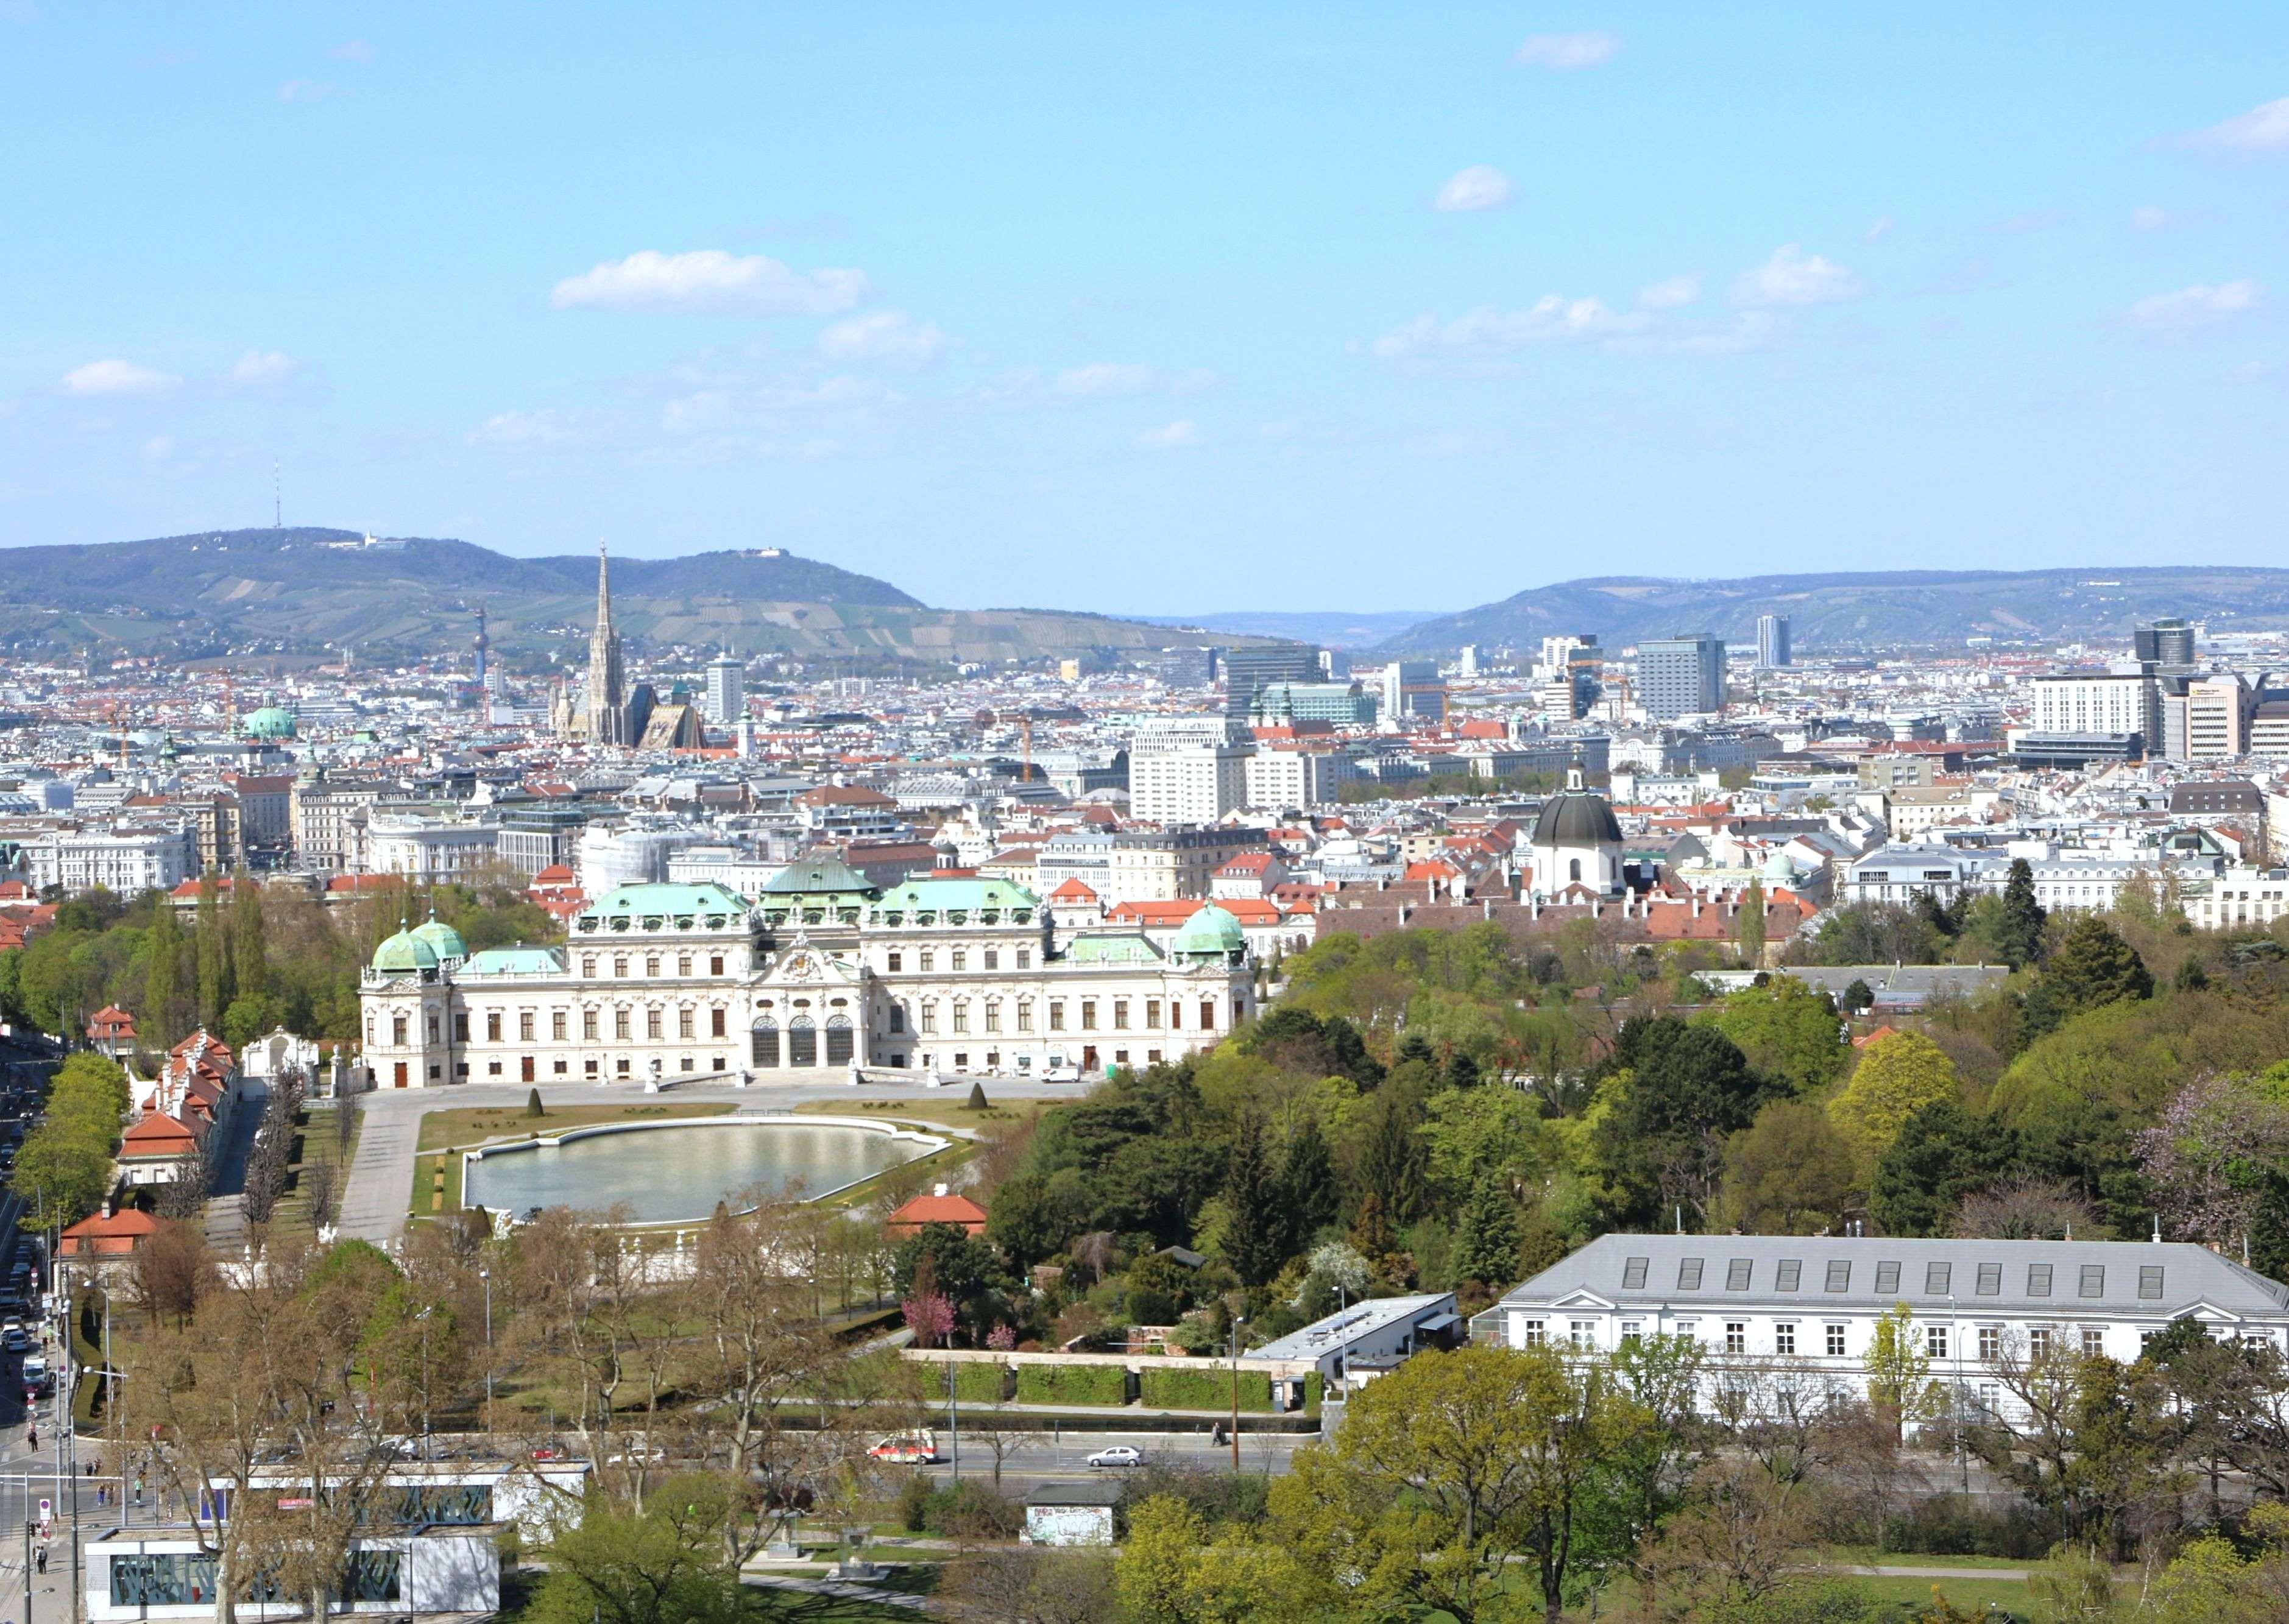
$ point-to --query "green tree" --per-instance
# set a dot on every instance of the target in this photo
(1859, 998)
(61, 1173)
(1660, 1144)
(211, 949)
(1749, 924)
(1898, 1075)
(666, 1563)
(2091, 967)
(1391, 1160)
(1899, 1371)
(163, 972)
(2018, 936)
(1788, 1173)
(1488, 1236)
(1786, 1029)
(1469, 1135)
(1309, 1193)
(248, 954)
(1255, 1236)
(1941, 1154)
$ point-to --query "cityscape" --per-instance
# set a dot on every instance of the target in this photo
(991, 1033)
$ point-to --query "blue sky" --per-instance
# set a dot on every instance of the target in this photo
(1158, 309)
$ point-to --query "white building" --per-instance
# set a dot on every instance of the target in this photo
(1279, 779)
(1576, 842)
(427, 850)
(727, 689)
(824, 972)
(2100, 702)
(1902, 873)
(1188, 769)
(2238, 895)
(127, 859)
(1809, 1305)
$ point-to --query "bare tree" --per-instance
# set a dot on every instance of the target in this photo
(1029, 1585)
(2025, 1207)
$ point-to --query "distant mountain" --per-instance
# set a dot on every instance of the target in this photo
(1329, 629)
(1897, 608)
(308, 587)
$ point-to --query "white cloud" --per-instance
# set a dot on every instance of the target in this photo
(1113, 380)
(2033, 219)
(262, 367)
(1484, 340)
(710, 282)
(1671, 292)
(2262, 129)
(19, 11)
(159, 448)
(883, 338)
(1793, 277)
(1184, 431)
(1880, 230)
(117, 377)
(2195, 306)
(2148, 218)
(1482, 185)
(352, 50)
(307, 90)
(1567, 51)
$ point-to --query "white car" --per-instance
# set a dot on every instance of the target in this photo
(1120, 1454)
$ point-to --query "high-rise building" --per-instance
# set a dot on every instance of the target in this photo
(2218, 711)
(727, 689)
(608, 717)
(1248, 672)
(2165, 642)
(2114, 703)
(1414, 687)
(1188, 769)
(1681, 676)
(1773, 641)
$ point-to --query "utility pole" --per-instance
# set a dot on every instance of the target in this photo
(1236, 1323)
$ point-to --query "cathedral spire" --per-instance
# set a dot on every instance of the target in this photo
(607, 710)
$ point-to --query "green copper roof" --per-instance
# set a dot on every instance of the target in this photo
(270, 723)
(404, 954)
(1211, 931)
(814, 876)
(512, 961)
(946, 894)
(443, 940)
(703, 900)
(1111, 949)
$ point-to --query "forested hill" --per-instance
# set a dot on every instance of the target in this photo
(1905, 608)
(309, 588)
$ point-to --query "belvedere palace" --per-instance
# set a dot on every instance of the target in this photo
(821, 973)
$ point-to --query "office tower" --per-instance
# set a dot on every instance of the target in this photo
(1414, 687)
(1772, 641)
(2165, 642)
(2218, 711)
(1188, 769)
(2094, 702)
(727, 689)
(1681, 676)
(1468, 665)
(1248, 671)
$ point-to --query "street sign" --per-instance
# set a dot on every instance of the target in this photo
(47, 1515)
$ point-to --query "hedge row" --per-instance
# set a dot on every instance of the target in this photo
(1205, 1390)
(976, 1382)
(1071, 1384)
(1315, 1391)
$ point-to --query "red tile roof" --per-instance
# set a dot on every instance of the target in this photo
(937, 1209)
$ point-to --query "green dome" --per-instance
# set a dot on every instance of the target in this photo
(1212, 932)
(270, 723)
(443, 940)
(404, 954)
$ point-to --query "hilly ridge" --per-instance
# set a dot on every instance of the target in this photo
(311, 587)
(1889, 608)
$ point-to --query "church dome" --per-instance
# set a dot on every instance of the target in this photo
(270, 723)
(1576, 817)
(404, 954)
(1211, 932)
(441, 938)
(1778, 870)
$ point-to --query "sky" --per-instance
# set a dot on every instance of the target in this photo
(1162, 309)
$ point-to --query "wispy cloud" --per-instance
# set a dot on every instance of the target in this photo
(2033, 219)
(1671, 292)
(1880, 229)
(352, 50)
(1793, 277)
(308, 90)
(2196, 305)
(1487, 340)
(709, 281)
(1482, 185)
(885, 339)
(258, 367)
(1565, 52)
(112, 377)
(1184, 431)
(1114, 380)
(2262, 131)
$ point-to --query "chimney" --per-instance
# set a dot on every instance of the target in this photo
(937, 1190)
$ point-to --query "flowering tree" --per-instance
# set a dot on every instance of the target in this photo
(929, 1315)
(2218, 1153)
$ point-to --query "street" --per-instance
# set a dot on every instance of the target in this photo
(1030, 1459)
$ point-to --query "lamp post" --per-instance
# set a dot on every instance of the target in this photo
(485, 1276)
(1236, 1323)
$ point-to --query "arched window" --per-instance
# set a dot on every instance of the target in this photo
(1574, 870)
(802, 1042)
(838, 1041)
(766, 1042)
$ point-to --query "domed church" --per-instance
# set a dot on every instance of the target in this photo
(1577, 842)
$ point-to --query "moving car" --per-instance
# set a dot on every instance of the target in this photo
(907, 1448)
(1118, 1454)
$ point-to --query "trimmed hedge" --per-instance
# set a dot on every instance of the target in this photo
(976, 1382)
(1073, 1384)
(1205, 1390)
(1315, 1392)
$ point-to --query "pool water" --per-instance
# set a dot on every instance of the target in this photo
(681, 1170)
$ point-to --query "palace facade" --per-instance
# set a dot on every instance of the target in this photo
(822, 974)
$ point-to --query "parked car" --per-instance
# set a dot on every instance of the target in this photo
(15, 1341)
(1118, 1454)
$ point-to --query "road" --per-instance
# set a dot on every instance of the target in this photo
(382, 1179)
(1030, 1459)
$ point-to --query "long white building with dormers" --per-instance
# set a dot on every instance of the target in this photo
(822, 974)
(1808, 1305)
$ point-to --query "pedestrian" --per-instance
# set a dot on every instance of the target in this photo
(139, 1488)
(32, 1439)
(42, 1558)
